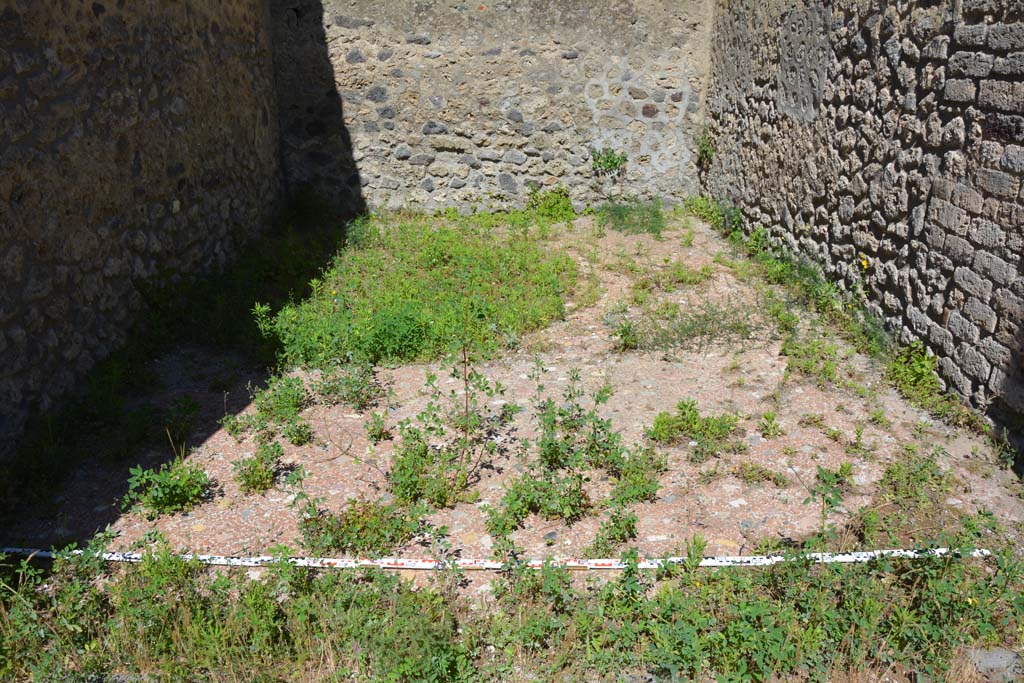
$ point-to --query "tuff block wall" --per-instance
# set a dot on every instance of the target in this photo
(135, 137)
(886, 142)
(461, 104)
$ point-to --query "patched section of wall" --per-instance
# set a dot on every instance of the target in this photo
(475, 104)
(135, 138)
(803, 58)
(888, 144)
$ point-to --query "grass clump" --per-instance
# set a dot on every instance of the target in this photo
(633, 217)
(256, 474)
(711, 434)
(177, 486)
(411, 288)
(692, 327)
(752, 473)
(913, 371)
(365, 527)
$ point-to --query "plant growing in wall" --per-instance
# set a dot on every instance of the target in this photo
(705, 149)
(607, 163)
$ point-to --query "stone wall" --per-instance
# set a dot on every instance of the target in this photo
(886, 141)
(135, 137)
(462, 104)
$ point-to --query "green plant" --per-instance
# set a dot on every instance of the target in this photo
(403, 294)
(363, 526)
(705, 149)
(769, 426)
(256, 474)
(814, 357)
(752, 473)
(828, 489)
(633, 217)
(377, 429)
(627, 337)
(913, 371)
(694, 327)
(552, 205)
(710, 434)
(174, 487)
(607, 162)
(618, 528)
(879, 418)
(352, 383)
(680, 274)
(858, 446)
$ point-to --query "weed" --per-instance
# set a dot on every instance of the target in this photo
(607, 163)
(364, 527)
(878, 418)
(551, 205)
(695, 327)
(828, 489)
(256, 474)
(915, 479)
(769, 426)
(812, 420)
(913, 372)
(752, 473)
(377, 429)
(618, 527)
(814, 357)
(710, 434)
(705, 149)
(414, 289)
(627, 336)
(680, 274)
(858, 446)
(633, 217)
(353, 384)
(179, 419)
(174, 487)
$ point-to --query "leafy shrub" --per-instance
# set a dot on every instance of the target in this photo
(552, 205)
(256, 473)
(637, 475)
(282, 400)
(420, 472)
(543, 493)
(175, 487)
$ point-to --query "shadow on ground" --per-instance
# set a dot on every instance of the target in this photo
(195, 351)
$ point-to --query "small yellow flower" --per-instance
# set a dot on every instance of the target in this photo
(863, 261)
(972, 601)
